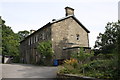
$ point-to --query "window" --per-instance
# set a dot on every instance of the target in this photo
(36, 38)
(43, 36)
(40, 36)
(77, 36)
(29, 42)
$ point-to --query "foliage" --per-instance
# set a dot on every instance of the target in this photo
(81, 56)
(107, 42)
(68, 69)
(72, 62)
(45, 50)
(10, 42)
(0, 40)
(72, 66)
(118, 50)
(100, 66)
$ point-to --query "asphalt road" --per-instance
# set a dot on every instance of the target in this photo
(27, 71)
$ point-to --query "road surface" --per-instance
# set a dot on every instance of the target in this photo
(27, 71)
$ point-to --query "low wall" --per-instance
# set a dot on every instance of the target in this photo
(75, 77)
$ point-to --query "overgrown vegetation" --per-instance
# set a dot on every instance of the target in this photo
(46, 52)
(100, 66)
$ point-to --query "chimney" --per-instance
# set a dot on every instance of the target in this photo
(69, 11)
(32, 31)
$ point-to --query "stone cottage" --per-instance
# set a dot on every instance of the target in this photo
(67, 35)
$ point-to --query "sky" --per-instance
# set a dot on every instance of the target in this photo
(32, 14)
(119, 10)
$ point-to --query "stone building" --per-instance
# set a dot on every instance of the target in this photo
(67, 35)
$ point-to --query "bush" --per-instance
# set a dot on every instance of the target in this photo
(81, 56)
(46, 52)
(72, 62)
(100, 68)
(103, 66)
(69, 67)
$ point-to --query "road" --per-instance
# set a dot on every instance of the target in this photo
(27, 71)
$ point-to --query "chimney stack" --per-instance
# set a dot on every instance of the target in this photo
(69, 11)
(32, 31)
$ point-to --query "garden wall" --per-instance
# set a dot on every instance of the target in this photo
(75, 77)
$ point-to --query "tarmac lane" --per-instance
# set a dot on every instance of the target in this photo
(28, 71)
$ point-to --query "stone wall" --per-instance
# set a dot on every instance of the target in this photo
(77, 34)
(75, 77)
(28, 47)
(67, 33)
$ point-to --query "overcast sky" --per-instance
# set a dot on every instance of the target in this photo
(119, 10)
(33, 14)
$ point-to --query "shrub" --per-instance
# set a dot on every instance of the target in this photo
(99, 68)
(81, 56)
(46, 52)
(72, 62)
(69, 67)
(103, 66)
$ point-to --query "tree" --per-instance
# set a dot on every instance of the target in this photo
(1, 23)
(23, 34)
(45, 50)
(108, 41)
(10, 42)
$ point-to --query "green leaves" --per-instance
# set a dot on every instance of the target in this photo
(45, 49)
(107, 42)
(81, 56)
(10, 42)
(46, 52)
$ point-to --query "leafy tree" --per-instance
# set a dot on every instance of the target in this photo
(1, 23)
(45, 50)
(10, 42)
(0, 45)
(108, 41)
(23, 34)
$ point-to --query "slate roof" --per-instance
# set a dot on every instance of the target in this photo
(55, 21)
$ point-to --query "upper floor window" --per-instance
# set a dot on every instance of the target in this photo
(43, 36)
(29, 42)
(36, 38)
(77, 36)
